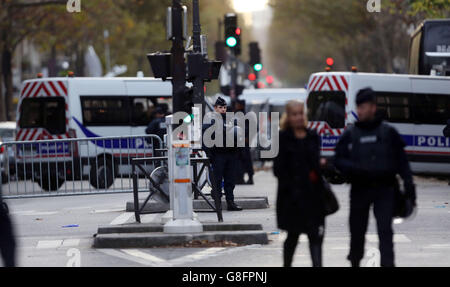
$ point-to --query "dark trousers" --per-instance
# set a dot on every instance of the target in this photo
(382, 200)
(315, 238)
(7, 243)
(224, 168)
(246, 163)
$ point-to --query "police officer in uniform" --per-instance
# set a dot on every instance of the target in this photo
(7, 242)
(245, 157)
(158, 125)
(224, 159)
(370, 154)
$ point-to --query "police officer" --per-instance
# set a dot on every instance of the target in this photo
(245, 157)
(223, 159)
(370, 154)
(7, 242)
(158, 125)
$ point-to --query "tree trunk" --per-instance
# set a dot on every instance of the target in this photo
(8, 81)
(52, 69)
(2, 96)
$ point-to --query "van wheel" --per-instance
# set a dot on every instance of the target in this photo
(50, 182)
(102, 174)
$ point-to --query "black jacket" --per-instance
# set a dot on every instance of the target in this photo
(361, 178)
(447, 130)
(299, 204)
(211, 151)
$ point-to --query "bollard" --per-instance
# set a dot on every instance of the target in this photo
(180, 185)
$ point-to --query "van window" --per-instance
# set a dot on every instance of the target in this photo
(394, 107)
(431, 109)
(142, 111)
(105, 111)
(48, 113)
(328, 106)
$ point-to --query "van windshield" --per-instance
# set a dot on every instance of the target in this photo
(48, 113)
(327, 106)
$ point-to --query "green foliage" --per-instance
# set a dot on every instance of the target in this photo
(305, 32)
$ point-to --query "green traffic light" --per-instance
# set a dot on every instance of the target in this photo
(188, 119)
(258, 67)
(231, 42)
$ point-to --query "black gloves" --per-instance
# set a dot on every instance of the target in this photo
(410, 192)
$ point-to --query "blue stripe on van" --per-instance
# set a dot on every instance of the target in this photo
(130, 143)
(410, 140)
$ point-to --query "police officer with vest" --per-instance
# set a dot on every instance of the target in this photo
(7, 242)
(370, 154)
(224, 159)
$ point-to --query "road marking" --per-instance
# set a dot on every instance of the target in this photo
(398, 238)
(148, 259)
(123, 218)
(438, 246)
(121, 255)
(34, 213)
(145, 256)
(49, 244)
(108, 210)
(71, 242)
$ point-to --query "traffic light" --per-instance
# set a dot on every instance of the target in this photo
(232, 33)
(255, 57)
(330, 63)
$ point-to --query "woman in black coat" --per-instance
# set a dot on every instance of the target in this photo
(300, 208)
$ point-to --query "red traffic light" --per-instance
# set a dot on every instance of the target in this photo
(330, 62)
(252, 77)
(269, 80)
(261, 85)
(238, 31)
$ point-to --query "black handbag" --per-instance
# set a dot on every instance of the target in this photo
(331, 204)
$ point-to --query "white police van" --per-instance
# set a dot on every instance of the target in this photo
(67, 108)
(417, 106)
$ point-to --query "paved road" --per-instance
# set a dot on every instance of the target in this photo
(58, 231)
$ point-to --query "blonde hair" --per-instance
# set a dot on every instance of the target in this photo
(284, 121)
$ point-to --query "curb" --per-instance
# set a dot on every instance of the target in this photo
(201, 205)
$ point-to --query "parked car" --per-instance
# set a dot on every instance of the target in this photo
(7, 134)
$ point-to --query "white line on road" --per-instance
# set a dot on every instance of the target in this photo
(71, 242)
(34, 213)
(108, 210)
(121, 255)
(146, 256)
(398, 238)
(123, 218)
(53, 244)
(48, 244)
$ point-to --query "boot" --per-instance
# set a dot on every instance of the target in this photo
(250, 180)
(233, 206)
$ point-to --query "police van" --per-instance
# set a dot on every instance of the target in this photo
(417, 106)
(85, 108)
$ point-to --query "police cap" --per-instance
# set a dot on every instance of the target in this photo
(365, 95)
(220, 102)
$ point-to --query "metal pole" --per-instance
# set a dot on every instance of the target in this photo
(198, 96)
(178, 62)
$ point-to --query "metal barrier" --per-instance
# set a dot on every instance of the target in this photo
(159, 189)
(74, 166)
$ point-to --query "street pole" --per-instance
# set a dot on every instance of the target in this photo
(199, 93)
(178, 63)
